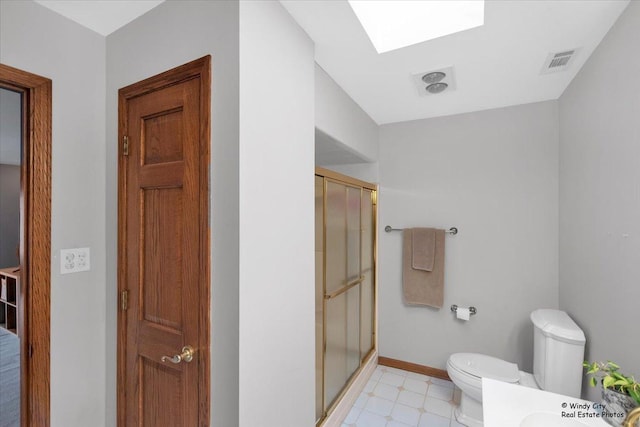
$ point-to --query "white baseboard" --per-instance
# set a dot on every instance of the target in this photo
(340, 412)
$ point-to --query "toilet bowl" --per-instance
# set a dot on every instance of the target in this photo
(466, 370)
(557, 365)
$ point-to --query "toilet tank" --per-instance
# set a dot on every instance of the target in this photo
(558, 352)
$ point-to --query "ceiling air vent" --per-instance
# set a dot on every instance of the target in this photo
(435, 81)
(559, 61)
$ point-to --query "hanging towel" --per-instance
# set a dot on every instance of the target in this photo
(424, 248)
(418, 286)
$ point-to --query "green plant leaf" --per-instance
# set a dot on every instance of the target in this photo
(593, 368)
(617, 376)
(607, 381)
(612, 379)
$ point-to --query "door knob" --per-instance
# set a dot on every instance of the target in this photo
(186, 356)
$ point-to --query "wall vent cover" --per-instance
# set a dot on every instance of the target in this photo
(559, 61)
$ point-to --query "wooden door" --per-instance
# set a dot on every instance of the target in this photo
(163, 253)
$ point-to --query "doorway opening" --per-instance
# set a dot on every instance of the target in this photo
(27, 284)
(10, 287)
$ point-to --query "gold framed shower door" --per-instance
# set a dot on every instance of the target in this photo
(345, 284)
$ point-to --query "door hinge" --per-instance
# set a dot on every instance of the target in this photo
(125, 145)
(124, 300)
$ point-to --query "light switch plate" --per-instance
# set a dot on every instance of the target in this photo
(75, 260)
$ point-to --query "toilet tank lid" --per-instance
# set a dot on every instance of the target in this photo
(483, 366)
(557, 324)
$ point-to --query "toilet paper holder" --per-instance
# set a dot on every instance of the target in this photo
(472, 310)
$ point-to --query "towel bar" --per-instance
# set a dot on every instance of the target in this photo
(453, 230)
(472, 310)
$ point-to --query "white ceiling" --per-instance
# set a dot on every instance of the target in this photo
(101, 16)
(495, 65)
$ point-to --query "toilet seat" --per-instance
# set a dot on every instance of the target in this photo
(483, 366)
(466, 370)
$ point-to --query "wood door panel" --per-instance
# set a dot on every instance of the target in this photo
(162, 137)
(159, 342)
(163, 228)
(164, 175)
(159, 381)
(161, 252)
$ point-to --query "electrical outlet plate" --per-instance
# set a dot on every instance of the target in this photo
(75, 260)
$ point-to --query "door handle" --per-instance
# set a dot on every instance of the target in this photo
(186, 356)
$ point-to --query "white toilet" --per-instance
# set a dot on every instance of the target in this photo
(558, 352)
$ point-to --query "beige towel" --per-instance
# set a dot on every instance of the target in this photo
(424, 248)
(423, 287)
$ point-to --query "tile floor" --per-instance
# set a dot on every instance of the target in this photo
(396, 398)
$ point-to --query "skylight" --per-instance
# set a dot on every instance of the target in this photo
(392, 24)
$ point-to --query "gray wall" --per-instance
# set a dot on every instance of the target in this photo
(10, 146)
(10, 127)
(494, 175)
(338, 116)
(277, 301)
(35, 39)
(170, 35)
(9, 215)
(600, 196)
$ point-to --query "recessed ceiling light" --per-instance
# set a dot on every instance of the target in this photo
(437, 87)
(398, 23)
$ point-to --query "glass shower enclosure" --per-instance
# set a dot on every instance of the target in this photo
(345, 283)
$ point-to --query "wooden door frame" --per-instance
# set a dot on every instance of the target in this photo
(35, 243)
(200, 68)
